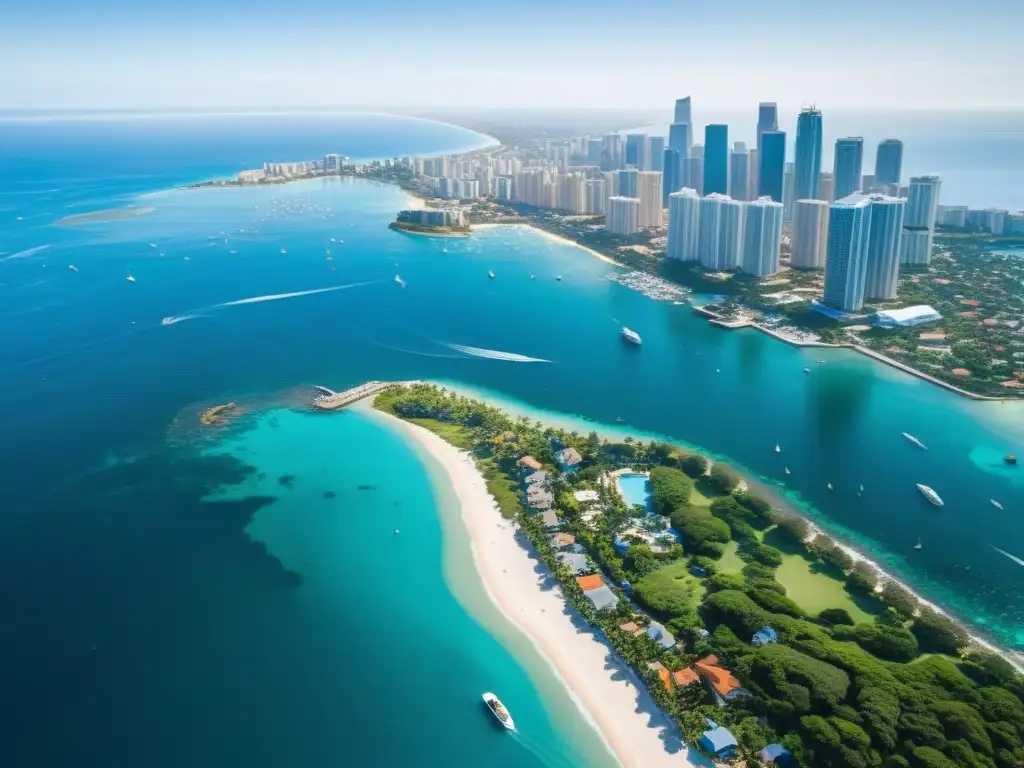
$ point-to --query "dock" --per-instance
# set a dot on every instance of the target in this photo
(332, 401)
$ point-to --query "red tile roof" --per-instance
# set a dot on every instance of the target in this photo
(593, 581)
(529, 461)
(960, 372)
(722, 680)
(685, 677)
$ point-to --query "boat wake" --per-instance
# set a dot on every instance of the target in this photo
(197, 313)
(495, 354)
(1015, 559)
(27, 252)
(179, 319)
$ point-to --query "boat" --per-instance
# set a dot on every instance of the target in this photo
(498, 710)
(915, 441)
(830, 486)
(820, 362)
(73, 268)
(861, 489)
(777, 448)
(918, 545)
(490, 275)
(130, 279)
(532, 277)
(558, 278)
(929, 494)
(995, 504)
(283, 251)
(400, 281)
(807, 370)
(631, 336)
(787, 470)
(152, 245)
(1010, 458)
(328, 256)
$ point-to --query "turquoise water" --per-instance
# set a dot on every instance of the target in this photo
(635, 489)
(150, 572)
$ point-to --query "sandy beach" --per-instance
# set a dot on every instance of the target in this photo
(608, 693)
(549, 236)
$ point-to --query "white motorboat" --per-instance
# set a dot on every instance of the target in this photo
(73, 268)
(830, 486)
(929, 494)
(777, 448)
(631, 336)
(918, 545)
(915, 441)
(490, 275)
(787, 470)
(400, 281)
(995, 504)
(498, 710)
(130, 279)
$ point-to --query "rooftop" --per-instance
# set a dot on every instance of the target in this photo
(685, 677)
(587, 583)
(722, 680)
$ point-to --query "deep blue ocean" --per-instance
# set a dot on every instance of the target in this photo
(179, 597)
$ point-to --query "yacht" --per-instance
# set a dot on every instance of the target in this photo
(631, 336)
(861, 490)
(400, 281)
(558, 278)
(995, 504)
(283, 251)
(73, 268)
(915, 441)
(328, 256)
(918, 545)
(498, 710)
(777, 448)
(490, 275)
(152, 245)
(130, 279)
(807, 370)
(830, 486)
(929, 494)
(787, 470)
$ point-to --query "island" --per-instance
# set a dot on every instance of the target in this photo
(763, 639)
(217, 415)
(447, 222)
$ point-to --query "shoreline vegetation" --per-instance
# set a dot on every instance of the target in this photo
(872, 676)
(425, 229)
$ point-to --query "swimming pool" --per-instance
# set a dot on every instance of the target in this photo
(635, 489)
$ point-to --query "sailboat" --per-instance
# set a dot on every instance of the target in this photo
(918, 545)
(777, 448)
(787, 470)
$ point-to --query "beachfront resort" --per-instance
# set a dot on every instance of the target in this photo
(765, 642)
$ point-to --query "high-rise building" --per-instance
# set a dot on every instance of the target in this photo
(810, 234)
(627, 182)
(762, 236)
(649, 191)
(952, 216)
(594, 151)
(883, 247)
(657, 154)
(683, 225)
(682, 112)
(919, 220)
(771, 156)
(826, 187)
(755, 167)
(788, 189)
(889, 162)
(672, 175)
(635, 148)
(767, 120)
(716, 159)
(867, 183)
(504, 189)
(595, 195)
(622, 215)
(720, 239)
(848, 166)
(739, 172)
(611, 186)
(845, 260)
(613, 152)
(807, 161)
(571, 196)
(693, 171)
(680, 138)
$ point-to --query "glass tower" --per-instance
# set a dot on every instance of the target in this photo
(808, 154)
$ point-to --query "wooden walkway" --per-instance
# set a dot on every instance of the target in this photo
(336, 400)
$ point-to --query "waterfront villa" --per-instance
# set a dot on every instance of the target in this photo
(568, 459)
(685, 677)
(717, 742)
(663, 674)
(538, 495)
(722, 682)
(597, 592)
(660, 635)
(576, 563)
(631, 628)
(764, 636)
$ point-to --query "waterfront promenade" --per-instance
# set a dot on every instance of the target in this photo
(332, 401)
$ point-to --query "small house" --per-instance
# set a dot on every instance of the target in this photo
(776, 754)
(717, 742)
(568, 459)
(764, 636)
(663, 674)
(597, 592)
(660, 635)
(549, 518)
(685, 677)
(722, 682)
(631, 628)
(560, 540)
(529, 464)
(576, 563)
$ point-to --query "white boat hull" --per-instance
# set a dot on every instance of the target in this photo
(931, 495)
(490, 699)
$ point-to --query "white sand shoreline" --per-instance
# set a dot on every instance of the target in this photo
(550, 236)
(618, 709)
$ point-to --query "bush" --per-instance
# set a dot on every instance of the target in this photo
(767, 555)
(694, 465)
(755, 572)
(723, 479)
(699, 528)
(670, 489)
(758, 507)
(775, 603)
(660, 592)
(796, 527)
(936, 633)
(834, 617)
(734, 609)
(881, 639)
(721, 581)
(774, 667)
(709, 565)
(862, 578)
(831, 553)
(899, 598)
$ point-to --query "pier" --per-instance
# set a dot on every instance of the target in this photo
(332, 401)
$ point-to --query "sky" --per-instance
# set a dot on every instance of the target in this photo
(145, 54)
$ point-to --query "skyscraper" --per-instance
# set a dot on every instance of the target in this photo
(762, 236)
(657, 154)
(772, 161)
(788, 184)
(720, 239)
(622, 215)
(810, 234)
(716, 159)
(845, 261)
(889, 162)
(693, 168)
(683, 225)
(807, 162)
(848, 166)
(919, 220)
(680, 137)
(627, 182)
(635, 148)
(672, 174)
(613, 152)
(883, 247)
(826, 187)
(595, 194)
(767, 120)
(649, 192)
(682, 113)
(739, 172)
(594, 151)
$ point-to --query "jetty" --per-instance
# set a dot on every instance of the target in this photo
(330, 400)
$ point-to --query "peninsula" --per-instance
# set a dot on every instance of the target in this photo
(756, 634)
(448, 222)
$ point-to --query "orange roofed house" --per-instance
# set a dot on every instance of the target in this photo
(597, 592)
(721, 681)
